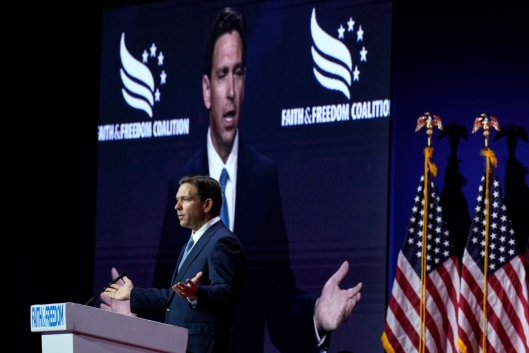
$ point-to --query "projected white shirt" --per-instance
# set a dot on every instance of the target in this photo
(216, 165)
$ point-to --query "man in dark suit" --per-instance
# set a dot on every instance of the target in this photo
(296, 321)
(208, 279)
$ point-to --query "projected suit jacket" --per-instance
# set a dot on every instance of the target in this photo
(270, 296)
(221, 258)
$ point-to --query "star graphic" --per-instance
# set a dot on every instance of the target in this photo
(153, 50)
(163, 76)
(340, 31)
(145, 56)
(350, 24)
(360, 34)
(160, 59)
(363, 54)
(356, 74)
(157, 95)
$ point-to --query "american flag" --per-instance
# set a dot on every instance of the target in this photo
(422, 310)
(491, 257)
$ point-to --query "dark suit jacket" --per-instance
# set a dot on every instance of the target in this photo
(270, 295)
(222, 260)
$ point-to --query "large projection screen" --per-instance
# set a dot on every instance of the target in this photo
(317, 103)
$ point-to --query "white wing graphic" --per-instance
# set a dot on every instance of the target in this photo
(143, 90)
(326, 70)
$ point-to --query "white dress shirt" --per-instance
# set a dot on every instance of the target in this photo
(196, 235)
(216, 165)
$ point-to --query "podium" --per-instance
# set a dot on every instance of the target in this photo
(76, 328)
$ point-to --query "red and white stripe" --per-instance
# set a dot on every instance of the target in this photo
(507, 308)
(402, 329)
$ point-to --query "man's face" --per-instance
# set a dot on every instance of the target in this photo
(224, 91)
(192, 212)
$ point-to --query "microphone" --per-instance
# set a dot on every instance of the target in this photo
(121, 275)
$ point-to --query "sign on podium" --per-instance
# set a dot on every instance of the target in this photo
(76, 328)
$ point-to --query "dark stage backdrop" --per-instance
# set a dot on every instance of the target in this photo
(458, 64)
(317, 102)
(447, 60)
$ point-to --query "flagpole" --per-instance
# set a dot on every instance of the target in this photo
(422, 336)
(483, 121)
(428, 121)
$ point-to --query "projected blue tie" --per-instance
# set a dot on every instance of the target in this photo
(224, 210)
(186, 252)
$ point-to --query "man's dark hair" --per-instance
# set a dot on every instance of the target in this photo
(227, 21)
(207, 188)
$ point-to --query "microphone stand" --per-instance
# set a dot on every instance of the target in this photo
(92, 300)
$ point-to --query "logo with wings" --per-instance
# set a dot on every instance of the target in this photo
(139, 88)
(333, 66)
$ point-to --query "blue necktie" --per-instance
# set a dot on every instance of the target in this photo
(224, 210)
(186, 252)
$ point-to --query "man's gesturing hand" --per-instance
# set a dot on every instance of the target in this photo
(188, 290)
(335, 305)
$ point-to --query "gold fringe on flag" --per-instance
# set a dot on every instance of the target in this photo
(428, 155)
(487, 152)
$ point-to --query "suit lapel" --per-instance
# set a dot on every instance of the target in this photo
(245, 185)
(197, 249)
(175, 272)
